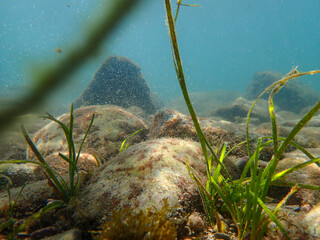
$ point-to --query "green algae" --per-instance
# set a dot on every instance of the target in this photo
(145, 225)
(243, 199)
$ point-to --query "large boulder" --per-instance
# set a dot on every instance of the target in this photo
(310, 222)
(307, 175)
(118, 81)
(204, 103)
(142, 176)
(294, 96)
(170, 123)
(12, 143)
(238, 110)
(111, 126)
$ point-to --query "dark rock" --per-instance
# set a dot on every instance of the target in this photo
(196, 223)
(119, 82)
(204, 103)
(42, 233)
(222, 236)
(309, 137)
(294, 96)
(238, 111)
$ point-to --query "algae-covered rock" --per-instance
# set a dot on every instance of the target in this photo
(307, 175)
(86, 163)
(35, 195)
(111, 126)
(309, 136)
(310, 222)
(118, 81)
(170, 123)
(143, 175)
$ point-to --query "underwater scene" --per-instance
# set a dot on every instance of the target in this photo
(159, 119)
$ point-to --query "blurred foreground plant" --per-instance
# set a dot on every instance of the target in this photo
(243, 199)
(53, 76)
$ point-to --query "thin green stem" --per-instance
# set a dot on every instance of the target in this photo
(181, 78)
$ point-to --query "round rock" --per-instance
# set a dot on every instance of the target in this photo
(143, 175)
(111, 126)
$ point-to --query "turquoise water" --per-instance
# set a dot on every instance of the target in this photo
(223, 43)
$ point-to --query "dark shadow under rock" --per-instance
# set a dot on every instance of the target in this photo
(118, 81)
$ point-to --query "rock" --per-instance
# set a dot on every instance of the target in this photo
(288, 217)
(310, 222)
(34, 196)
(195, 223)
(204, 103)
(307, 175)
(43, 233)
(23, 173)
(260, 81)
(169, 123)
(86, 163)
(118, 81)
(142, 176)
(314, 122)
(12, 146)
(223, 236)
(294, 96)
(112, 125)
(12, 143)
(238, 111)
(18, 174)
(309, 136)
(72, 234)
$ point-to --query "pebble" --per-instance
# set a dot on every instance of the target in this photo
(43, 232)
(222, 236)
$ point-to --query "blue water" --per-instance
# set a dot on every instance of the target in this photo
(223, 43)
